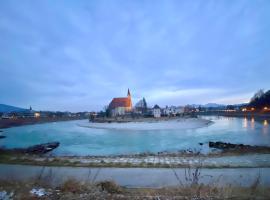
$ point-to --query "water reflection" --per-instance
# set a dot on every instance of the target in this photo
(245, 123)
(252, 123)
(265, 127)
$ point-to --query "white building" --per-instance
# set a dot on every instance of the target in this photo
(121, 105)
(173, 110)
(156, 111)
(118, 111)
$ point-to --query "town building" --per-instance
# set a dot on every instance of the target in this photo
(173, 110)
(156, 111)
(121, 105)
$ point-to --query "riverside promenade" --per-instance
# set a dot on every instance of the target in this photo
(136, 177)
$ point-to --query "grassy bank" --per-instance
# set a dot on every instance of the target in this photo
(42, 188)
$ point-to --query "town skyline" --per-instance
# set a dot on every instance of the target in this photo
(76, 56)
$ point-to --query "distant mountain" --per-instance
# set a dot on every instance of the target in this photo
(7, 108)
(213, 105)
(208, 105)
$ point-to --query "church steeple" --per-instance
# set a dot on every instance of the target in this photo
(128, 94)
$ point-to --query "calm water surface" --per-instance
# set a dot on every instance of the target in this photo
(76, 140)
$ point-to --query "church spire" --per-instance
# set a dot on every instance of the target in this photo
(128, 94)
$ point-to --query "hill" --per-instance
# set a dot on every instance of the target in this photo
(7, 108)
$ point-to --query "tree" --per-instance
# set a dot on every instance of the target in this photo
(257, 95)
(141, 105)
(260, 100)
(144, 105)
(107, 111)
(230, 107)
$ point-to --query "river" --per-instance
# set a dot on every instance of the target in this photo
(77, 140)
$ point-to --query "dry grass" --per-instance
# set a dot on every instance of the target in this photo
(110, 187)
(73, 189)
(190, 187)
(72, 185)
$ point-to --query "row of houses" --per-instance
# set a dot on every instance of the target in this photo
(123, 106)
(24, 113)
(167, 111)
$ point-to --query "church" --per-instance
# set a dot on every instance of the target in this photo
(120, 105)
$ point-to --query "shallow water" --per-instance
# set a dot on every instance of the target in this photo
(77, 140)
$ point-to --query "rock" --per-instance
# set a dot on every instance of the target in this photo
(42, 148)
(2, 136)
(243, 148)
(36, 149)
(222, 145)
(201, 143)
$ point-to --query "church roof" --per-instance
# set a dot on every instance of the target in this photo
(156, 107)
(120, 102)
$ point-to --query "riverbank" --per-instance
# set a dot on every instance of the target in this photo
(248, 114)
(7, 123)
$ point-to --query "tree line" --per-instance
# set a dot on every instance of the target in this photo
(260, 100)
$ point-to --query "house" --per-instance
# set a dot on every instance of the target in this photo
(173, 110)
(120, 105)
(7, 116)
(169, 111)
(179, 110)
(156, 111)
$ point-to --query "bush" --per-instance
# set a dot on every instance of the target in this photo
(110, 187)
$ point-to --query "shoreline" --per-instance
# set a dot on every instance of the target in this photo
(9, 123)
(154, 124)
(248, 114)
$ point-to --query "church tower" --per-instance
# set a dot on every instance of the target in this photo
(129, 101)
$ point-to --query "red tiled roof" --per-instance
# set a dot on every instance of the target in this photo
(120, 102)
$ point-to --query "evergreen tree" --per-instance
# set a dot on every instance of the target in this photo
(260, 100)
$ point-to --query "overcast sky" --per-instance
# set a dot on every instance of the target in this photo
(77, 55)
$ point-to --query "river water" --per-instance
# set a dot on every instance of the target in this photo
(77, 140)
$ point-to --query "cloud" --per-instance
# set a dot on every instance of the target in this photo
(76, 56)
